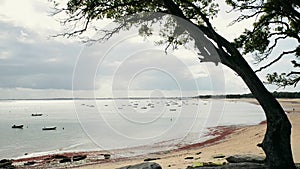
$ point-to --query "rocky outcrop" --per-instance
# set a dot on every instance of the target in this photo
(247, 161)
(7, 164)
(237, 162)
(233, 166)
(248, 158)
(65, 160)
(79, 157)
(146, 165)
(29, 163)
(151, 159)
(106, 156)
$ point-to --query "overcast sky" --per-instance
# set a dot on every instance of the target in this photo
(36, 66)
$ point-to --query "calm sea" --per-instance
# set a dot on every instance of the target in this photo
(85, 125)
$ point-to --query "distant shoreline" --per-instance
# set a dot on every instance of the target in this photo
(286, 95)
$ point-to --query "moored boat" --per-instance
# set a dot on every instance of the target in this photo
(36, 114)
(49, 128)
(17, 126)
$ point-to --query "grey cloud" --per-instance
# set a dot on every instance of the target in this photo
(38, 64)
(48, 64)
(157, 70)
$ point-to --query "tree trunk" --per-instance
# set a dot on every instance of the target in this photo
(276, 143)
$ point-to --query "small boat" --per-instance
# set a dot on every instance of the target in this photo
(36, 114)
(17, 126)
(49, 128)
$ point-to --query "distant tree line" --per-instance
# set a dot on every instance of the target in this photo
(249, 95)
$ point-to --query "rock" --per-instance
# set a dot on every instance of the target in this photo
(145, 165)
(151, 159)
(106, 156)
(233, 166)
(245, 165)
(245, 158)
(5, 163)
(79, 157)
(30, 163)
(58, 156)
(236, 166)
(212, 164)
(188, 158)
(65, 160)
(206, 164)
(219, 156)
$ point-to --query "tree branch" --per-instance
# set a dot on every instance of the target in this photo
(293, 73)
(275, 60)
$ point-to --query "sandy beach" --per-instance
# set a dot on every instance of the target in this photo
(227, 141)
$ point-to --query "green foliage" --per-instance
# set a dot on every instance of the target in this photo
(298, 51)
(140, 14)
(87, 10)
(283, 79)
(276, 20)
(253, 41)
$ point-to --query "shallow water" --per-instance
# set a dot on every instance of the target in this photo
(84, 125)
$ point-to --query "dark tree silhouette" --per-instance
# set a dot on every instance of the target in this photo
(82, 13)
(277, 20)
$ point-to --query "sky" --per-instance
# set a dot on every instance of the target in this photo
(33, 64)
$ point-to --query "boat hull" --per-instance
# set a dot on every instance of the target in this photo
(49, 128)
(17, 126)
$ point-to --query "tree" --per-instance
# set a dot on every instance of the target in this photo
(277, 20)
(276, 143)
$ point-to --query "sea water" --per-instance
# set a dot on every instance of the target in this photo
(110, 124)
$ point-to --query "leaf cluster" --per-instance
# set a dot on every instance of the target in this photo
(86, 11)
(275, 21)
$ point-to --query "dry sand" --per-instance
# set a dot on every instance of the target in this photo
(240, 141)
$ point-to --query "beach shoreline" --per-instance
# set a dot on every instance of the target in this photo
(217, 134)
(226, 140)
